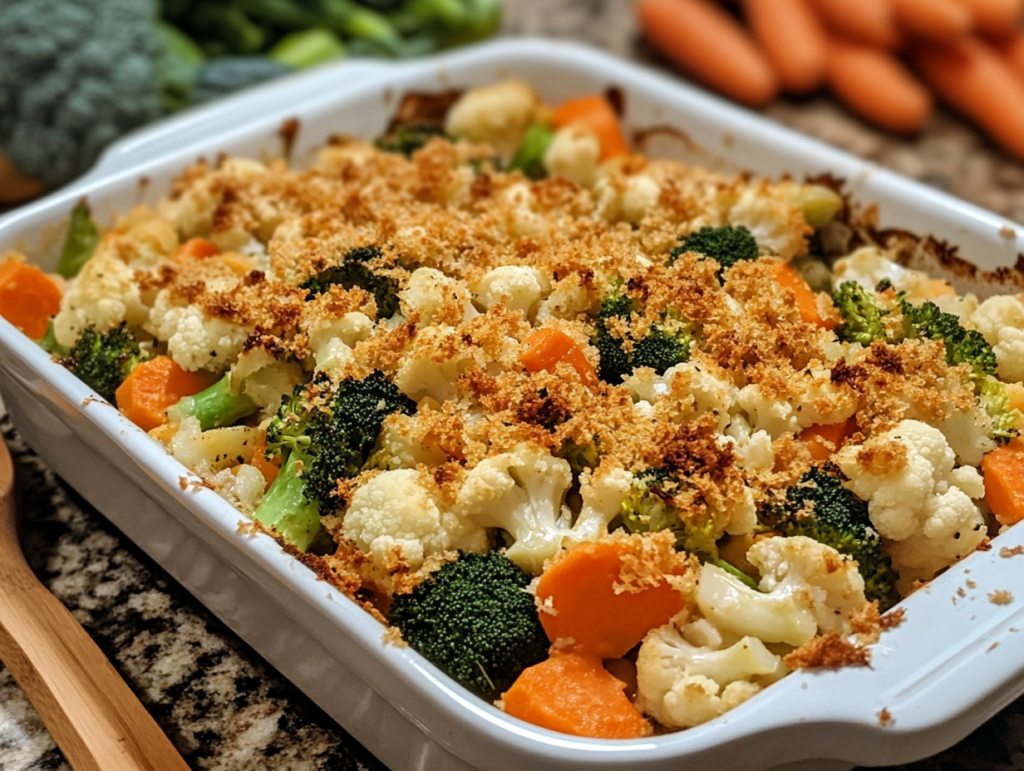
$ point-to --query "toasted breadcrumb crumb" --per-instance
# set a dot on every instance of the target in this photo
(1011, 551)
(1000, 597)
(829, 651)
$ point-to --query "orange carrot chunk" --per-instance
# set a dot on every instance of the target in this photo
(580, 589)
(806, 300)
(543, 349)
(269, 468)
(977, 81)
(596, 114)
(938, 20)
(877, 86)
(995, 17)
(197, 248)
(822, 441)
(706, 41)
(574, 694)
(28, 297)
(1012, 51)
(869, 22)
(152, 388)
(792, 38)
(1003, 471)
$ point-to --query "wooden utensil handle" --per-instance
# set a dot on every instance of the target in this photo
(91, 713)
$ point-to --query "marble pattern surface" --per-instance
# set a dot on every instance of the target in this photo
(223, 706)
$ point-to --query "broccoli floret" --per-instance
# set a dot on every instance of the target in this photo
(995, 401)
(649, 508)
(727, 245)
(927, 321)
(76, 75)
(102, 360)
(216, 406)
(662, 347)
(325, 433)
(580, 456)
(819, 507)
(529, 158)
(862, 315)
(408, 139)
(475, 620)
(354, 272)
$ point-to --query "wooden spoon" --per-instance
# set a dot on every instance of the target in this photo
(90, 712)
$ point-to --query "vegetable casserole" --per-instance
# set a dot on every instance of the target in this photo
(606, 438)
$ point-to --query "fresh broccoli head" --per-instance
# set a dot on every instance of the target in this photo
(727, 245)
(76, 75)
(995, 402)
(216, 406)
(927, 321)
(862, 315)
(649, 508)
(475, 620)
(664, 345)
(102, 360)
(355, 272)
(325, 433)
(408, 139)
(819, 507)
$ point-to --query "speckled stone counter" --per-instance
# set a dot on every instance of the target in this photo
(220, 703)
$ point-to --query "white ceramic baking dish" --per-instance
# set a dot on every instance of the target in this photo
(954, 662)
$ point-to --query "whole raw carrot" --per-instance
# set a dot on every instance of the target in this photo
(866, 21)
(975, 80)
(995, 17)
(709, 43)
(1012, 50)
(876, 85)
(792, 38)
(938, 20)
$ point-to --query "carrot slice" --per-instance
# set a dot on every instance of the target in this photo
(938, 20)
(705, 40)
(152, 388)
(822, 441)
(1003, 471)
(595, 113)
(1012, 51)
(543, 349)
(581, 590)
(876, 85)
(806, 300)
(977, 81)
(28, 297)
(792, 38)
(197, 248)
(269, 468)
(869, 22)
(995, 17)
(574, 694)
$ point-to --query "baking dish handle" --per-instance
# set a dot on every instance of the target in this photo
(192, 125)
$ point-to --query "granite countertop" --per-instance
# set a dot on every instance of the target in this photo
(220, 703)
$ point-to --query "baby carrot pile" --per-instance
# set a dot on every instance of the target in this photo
(887, 60)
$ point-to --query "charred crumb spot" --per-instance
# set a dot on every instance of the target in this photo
(885, 358)
(254, 278)
(288, 132)
(845, 374)
(694, 450)
(884, 717)
(544, 410)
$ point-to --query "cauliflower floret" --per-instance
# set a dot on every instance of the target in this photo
(805, 587)
(574, 154)
(570, 296)
(523, 220)
(603, 491)
(916, 499)
(431, 367)
(683, 685)
(104, 293)
(522, 492)
(402, 445)
(194, 340)
(754, 449)
(332, 340)
(693, 385)
(213, 450)
(428, 290)
(968, 433)
(497, 114)
(517, 287)
(263, 378)
(777, 224)
(395, 518)
(1001, 321)
(812, 400)
(869, 265)
(626, 199)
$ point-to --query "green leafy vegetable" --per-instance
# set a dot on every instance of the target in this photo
(80, 243)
